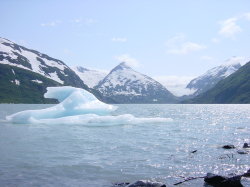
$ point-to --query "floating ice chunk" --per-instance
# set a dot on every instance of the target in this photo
(77, 107)
(97, 120)
(74, 101)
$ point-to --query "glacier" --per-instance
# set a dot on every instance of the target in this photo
(77, 106)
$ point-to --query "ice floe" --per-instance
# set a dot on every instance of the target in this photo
(77, 106)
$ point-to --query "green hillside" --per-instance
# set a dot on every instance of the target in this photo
(22, 86)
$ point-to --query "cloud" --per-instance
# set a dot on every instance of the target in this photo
(238, 59)
(118, 39)
(86, 21)
(207, 58)
(179, 46)
(129, 60)
(77, 20)
(90, 21)
(176, 84)
(177, 38)
(229, 28)
(215, 40)
(247, 16)
(51, 24)
(186, 48)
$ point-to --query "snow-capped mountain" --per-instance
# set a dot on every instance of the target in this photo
(235, 89)
(27, 73)
(209, 79)
(15, 55)
(125, 85)
(90, 77)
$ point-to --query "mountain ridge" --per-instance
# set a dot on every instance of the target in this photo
(211, 77)
(32, 60)
(14, 55)
(90, 77)
(134, 87)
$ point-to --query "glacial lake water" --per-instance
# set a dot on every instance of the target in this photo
(101, 155)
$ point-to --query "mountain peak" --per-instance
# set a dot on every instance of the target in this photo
(121, 66)
(125, 85)
(124, 65)
(80, 69)
(3, 40)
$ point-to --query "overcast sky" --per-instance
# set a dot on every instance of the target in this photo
(157, 37)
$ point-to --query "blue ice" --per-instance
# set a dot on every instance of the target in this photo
(77, 106)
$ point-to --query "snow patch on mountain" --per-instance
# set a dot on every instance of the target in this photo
(37, 81)
(55, 77)
(16, 82)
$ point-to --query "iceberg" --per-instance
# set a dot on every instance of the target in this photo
(77, 106)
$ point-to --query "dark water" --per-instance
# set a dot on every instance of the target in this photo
(78, 155)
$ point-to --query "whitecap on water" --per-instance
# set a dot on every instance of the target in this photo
(77, 106)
